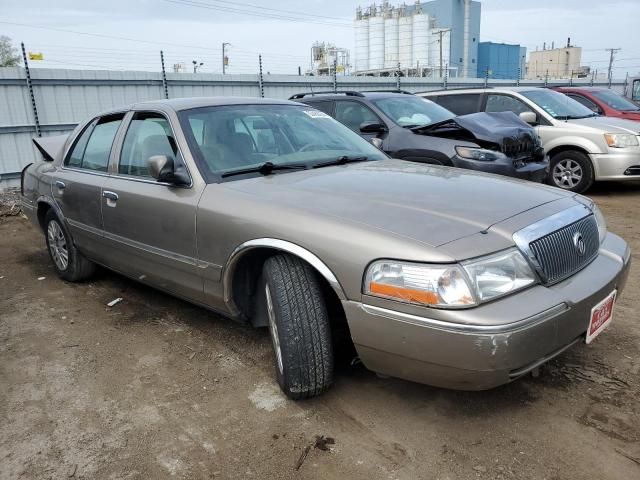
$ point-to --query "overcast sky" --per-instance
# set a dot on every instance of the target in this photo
(195, 29)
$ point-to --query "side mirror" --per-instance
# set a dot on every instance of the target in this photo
(162, 169)
(529, 117)
(372, 127)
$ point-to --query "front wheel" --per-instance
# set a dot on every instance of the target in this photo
(299, 327)
(69, 263)
(572, 171)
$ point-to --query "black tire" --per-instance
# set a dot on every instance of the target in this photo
(76, 267)
(562, 165)
(302, 335)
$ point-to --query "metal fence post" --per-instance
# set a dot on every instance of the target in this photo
(593, 75)
(546, 78)
(445, 80)
(30, 87)
(164, 76)
(335, 75)
(398, 72)
(519, 76)
(486, 77)
(260, 79)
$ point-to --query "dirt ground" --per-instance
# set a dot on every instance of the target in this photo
(156, 388)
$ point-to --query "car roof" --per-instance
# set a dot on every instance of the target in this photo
(581, 89)
(452, 91)
(178, 104)
(371, 95)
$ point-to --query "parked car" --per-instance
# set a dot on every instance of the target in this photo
(583, 147)
(410, 128)
(603, 101)
(274, 214)
(632, 90)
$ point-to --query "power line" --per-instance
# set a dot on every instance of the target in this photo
(303, 14)
(304, 19)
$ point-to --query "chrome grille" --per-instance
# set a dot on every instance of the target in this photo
(557, 254)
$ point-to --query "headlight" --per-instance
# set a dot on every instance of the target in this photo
(431, 285)
(481, 154)
(621, 140)
(450, 286)
(499, 274)
(602, 223)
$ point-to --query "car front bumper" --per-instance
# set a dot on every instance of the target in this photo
(489, 345)
(617, 166)
(532, 171)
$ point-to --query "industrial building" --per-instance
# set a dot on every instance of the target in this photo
(501, 60)
(421, 39)
(555, 62)
(327, 58)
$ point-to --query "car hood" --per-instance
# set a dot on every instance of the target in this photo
(608, 124)
(426, 203)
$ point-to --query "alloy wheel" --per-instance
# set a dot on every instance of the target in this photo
(58, 245)
(567, 173)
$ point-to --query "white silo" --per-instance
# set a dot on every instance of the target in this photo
(420, 35)
(391, 40)
(405, 40)
(376, 40)
(362, 43)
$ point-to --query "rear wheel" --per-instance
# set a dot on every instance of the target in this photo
(299, 327)
(68, 262)
(571, 170)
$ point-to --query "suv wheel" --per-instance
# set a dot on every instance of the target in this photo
(69, 263)
(571, 170)
(299, 327)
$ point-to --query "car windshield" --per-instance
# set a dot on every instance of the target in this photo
(616, 101)
(411, 111)
(558, 105)
(235, 138)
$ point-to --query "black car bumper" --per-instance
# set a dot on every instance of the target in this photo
(532, 171)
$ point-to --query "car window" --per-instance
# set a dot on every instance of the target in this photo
(93, 148)
(325, 106)
(505, 103)
(557, 105)
(636, 91)
(460, 104)
(584, 101)
(354, 114)
(243, 136)
(149, 134)
(615, 101)
(411, 111)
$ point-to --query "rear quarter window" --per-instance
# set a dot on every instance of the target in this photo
(460, 104)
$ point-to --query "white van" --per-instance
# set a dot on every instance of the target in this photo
(583, 147)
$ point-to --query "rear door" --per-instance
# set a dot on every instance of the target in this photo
(151, 226)
(78, 183)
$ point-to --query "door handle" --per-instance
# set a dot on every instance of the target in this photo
(60, 185)
(110, 195)
(112, 198)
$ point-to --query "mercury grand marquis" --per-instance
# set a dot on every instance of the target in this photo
(272, 213)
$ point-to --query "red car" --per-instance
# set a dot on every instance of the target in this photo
(603, 101)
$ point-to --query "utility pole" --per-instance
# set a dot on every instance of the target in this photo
(612, 53)
(224, 57)
(440, 34)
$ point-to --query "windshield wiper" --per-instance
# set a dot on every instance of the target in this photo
(265, 169)
(343, 160)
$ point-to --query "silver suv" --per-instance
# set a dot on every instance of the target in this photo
(583, 147)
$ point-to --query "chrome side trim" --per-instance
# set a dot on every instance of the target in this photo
(145, 247)
(524, 237)
(297, 250)
(463, 328)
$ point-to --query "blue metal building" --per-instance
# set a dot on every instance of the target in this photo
(501, 60)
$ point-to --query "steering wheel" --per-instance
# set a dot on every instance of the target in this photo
(307, 147)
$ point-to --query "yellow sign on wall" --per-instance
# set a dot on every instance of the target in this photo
(36, 56)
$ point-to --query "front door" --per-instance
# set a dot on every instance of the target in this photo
(78, 184)
(151, 226)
